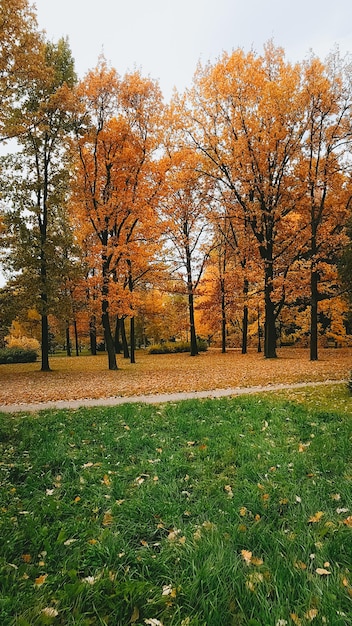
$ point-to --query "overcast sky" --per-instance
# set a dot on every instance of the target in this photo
(166, 38)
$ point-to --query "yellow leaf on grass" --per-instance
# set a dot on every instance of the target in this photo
(228, 490)
(316, 517)
(296, 620)
(168, 590)
(311, 614)
(135, 615)
(247, 556)
(300, 565)
(256, 561)
(106, 480)
(348, 520)
(107, 519)
(40, 580)
(49, 611)
(322, 571)
(26, 558)
(243, 511)
(254, 580)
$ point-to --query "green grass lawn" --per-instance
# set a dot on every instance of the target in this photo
(201, 513)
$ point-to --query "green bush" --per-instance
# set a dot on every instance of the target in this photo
(17, 355)
(176, 347)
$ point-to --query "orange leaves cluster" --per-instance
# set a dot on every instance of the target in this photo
(249, 559)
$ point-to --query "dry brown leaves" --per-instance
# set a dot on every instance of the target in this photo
(88, 377)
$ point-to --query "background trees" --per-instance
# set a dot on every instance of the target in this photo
(252, 118)
(38, 178)
(234, 201)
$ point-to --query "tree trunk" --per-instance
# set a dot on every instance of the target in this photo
(126, 352)
(269, 324)
(314, 315)
(259, 333)
(192, 327)
(76, 337)
(132, 340)
(193, 336)
(109, 342)
(45, 343)
(245, 318)
(93, 335)
(68, 342)
(245, 329)
(117, 336)
(223, 316)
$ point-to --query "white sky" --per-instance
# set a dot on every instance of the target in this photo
(166, 38)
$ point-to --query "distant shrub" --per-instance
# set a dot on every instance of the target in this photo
(176, 347)
(17, 355)
(349, 383)
(23, 342)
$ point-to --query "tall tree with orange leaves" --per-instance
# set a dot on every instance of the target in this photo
(247, 117)
(117, 181)
(324, 171)
(185, 215)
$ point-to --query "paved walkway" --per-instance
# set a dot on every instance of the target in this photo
(157, 398)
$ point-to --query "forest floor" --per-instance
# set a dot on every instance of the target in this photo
(87, 377)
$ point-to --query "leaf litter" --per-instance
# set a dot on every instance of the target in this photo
(88, 377)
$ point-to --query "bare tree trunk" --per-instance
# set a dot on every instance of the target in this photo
(314, 315)
(109, 342)
(45, 343)
(93, 335)
(269, 325)
(126, 352)
(132, 340)
(117, 336)
(245, 318)
(76, 337)
(68, 341)
(223, 316)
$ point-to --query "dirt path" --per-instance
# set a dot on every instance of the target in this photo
(157, 398)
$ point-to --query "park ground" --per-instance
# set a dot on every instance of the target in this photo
(88, 377)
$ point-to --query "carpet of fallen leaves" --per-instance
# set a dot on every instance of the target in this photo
(88, 377)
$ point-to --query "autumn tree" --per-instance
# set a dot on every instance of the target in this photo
(37, 181)
(20, 62)
(186, 225)
(117, 181)
(323, 171)
(247, 117)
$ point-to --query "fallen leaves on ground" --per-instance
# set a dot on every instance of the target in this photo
(88, 377)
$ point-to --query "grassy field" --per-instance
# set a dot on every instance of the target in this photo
(199, 513)
(88, 377)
